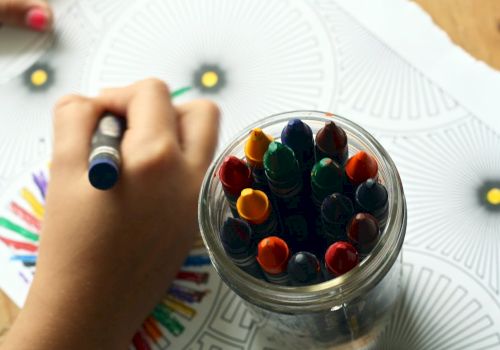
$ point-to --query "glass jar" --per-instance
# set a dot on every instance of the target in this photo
(347, 312)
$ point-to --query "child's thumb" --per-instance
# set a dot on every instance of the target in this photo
(33, 14)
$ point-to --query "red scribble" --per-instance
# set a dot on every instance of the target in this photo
(26, 216)
(139, 342)
(196, 277)
(19, 245)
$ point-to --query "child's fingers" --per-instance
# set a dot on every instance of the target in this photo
(199, 126)
(75, 119)
(147, 107)
(33, 14)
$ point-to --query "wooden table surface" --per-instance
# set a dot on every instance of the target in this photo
(472, 24)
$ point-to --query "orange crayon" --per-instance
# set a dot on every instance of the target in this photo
(255, 208)
(255, 147)
(361, 167)
(273, 255)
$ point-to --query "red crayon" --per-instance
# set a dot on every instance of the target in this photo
(273, 255)
(235, 176)
(361, 167)
(340, 258)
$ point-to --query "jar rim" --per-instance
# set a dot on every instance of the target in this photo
(329, 293)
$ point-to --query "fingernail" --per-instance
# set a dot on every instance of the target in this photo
(37, 18)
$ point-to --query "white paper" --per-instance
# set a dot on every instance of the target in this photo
(381, 63)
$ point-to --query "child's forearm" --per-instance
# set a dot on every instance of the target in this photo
(107, 257)
(54, 324)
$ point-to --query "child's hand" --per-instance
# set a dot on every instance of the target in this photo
(107, 257)
(33, 14)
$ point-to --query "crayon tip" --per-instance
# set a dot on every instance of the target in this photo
(340, 258)
(337, 208)
(236, 235)
(371, 195)
(303, 268)
(332, 140)
(256, 146)
(361, 167)
(280, 161)
(253, 206)
(326, 174)
(297, 134)
(363, 230)
(273, 255)
(103, 172)
(235, 175)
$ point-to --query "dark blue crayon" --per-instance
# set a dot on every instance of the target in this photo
(304, 269)
(105, 156)
(299, 137)
(371, 197)
(285, 182)
(336, 211)
(197, 260)
(237, 240)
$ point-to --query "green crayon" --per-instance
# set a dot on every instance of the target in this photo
(326, 178)
(285, 182)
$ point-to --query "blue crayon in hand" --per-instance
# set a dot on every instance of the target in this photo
(105, 157)
(236, 238)
(304, 269)
(299, 137)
